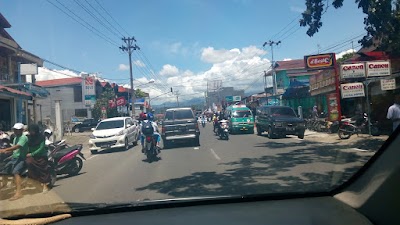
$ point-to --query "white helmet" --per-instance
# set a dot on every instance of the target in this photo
(4, 136)
(48, 132)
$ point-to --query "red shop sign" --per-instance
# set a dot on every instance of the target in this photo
(319, 61)
(121, 101)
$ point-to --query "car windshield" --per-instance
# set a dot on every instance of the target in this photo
(241, 113)
(283, 112)
(110, 125)
(291, 77)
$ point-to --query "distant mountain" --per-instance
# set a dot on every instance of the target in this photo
(186, 103)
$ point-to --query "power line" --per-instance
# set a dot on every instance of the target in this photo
(111, 17)
(340, 43)
(96, 18)
(88, 26)
(273, 36)
(101, 15)
(284, 38)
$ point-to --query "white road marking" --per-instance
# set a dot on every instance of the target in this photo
(196, 148)
(91, 157)
(215, 154)
(360, 150)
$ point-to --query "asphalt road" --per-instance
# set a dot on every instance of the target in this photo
(246, 164)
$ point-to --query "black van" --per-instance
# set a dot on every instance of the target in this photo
(279, 121)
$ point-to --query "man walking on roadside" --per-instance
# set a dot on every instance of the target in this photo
(17, 163)
(394, 112)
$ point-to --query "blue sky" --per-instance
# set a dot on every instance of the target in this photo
(192, 36)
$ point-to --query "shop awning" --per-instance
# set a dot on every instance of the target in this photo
(297, 89)
(34, 90)
(14, 92)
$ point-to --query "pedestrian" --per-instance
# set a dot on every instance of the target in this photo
(394, 112)
(37, 159)
(17, 163)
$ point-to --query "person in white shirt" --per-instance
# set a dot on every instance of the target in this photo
(394, 112)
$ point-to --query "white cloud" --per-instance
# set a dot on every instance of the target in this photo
(47, 74)
(123, 67)
(139, 63)
(169, 70)
(341, 54)
(287, 59)
(297, 9)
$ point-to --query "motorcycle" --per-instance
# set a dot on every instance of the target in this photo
(356, 125)
(203, 123)
(223, 130)
(150, 148)
(66, 160)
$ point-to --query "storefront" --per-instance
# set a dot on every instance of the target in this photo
(9, 98)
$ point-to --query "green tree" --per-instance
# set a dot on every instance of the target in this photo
(382, 21)
(139, 93)
(345, 57)
(101, 102)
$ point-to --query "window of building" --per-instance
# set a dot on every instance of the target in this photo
(77, 94)
(81, 112)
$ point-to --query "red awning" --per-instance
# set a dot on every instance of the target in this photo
(4, 89)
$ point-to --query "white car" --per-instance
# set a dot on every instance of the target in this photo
(117, 132)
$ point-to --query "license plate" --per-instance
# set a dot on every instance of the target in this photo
(290, 128)
(106, 146)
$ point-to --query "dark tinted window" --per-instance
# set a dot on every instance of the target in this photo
(179, 115)
(81, 112)
(282, 112)
(77, 94)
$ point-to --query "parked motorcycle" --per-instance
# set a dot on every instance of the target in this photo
(356, 125)
(67, 160)
(223, 130)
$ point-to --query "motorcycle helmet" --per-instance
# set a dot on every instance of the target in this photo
(142, 116)
(150, 116)
(48, 132)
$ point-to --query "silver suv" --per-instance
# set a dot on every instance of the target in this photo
(180, 124)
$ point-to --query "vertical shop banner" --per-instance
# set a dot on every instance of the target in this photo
(352, 70)
(333, 106)
(378, 68)
(352, 90)
(389, 84)
(89, 90)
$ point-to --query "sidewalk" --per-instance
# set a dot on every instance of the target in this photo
(362, 141)
(33, 202)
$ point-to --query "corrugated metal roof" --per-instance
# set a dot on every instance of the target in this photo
(60, 82)
(5, 89)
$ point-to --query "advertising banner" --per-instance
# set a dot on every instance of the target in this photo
(90, 100)
(89, 90)
(112, 103)
(389, 84)
(352, 70)
(333, 107)
(352, 90)
(322, 61)
(121, 101)
(376, 69)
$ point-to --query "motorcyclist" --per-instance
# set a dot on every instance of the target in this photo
(215, 121)
(220, 122)
(156, 134)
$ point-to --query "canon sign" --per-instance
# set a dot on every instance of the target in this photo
(352, 87)
(352, 90)
(353, 67)
(378, 68)
(319, 61)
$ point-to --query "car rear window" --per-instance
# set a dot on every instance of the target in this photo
(282, 111)
(241, 113)
(110, 125)
(178, 115)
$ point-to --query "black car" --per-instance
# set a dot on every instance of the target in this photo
(279, 121)
(180, 124)
(86, 125)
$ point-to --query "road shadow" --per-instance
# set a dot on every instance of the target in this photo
(262, 175)
(65, 176)
(368, 144)
(110, 151)
(153, 160)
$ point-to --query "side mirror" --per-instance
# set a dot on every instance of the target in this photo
(93, 129)
(128, 125)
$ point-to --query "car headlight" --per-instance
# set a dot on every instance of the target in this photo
(92, 136)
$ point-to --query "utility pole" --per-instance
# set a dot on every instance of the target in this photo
(130, 47)
(271, 44)
(352, 46)
(177, 97)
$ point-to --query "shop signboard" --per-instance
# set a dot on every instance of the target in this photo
(28, 69)
(229, 98)
(323, 82)
(321, 61)
(388, 84)
(89, 91)
(237, 98)
(352, 70)
(121, 101)
(378, 68)
(352, 90)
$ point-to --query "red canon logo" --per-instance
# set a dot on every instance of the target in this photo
(378, 66)
(352, 87)
(353, 67)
